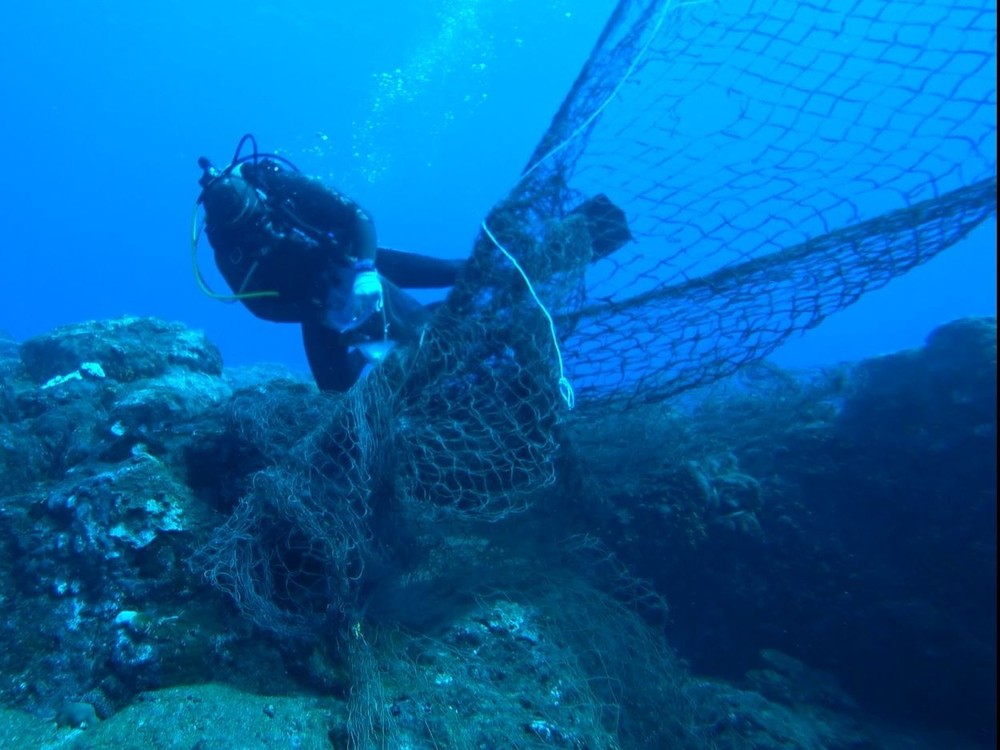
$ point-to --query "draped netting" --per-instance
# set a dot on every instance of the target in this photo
(775, 162)
(720, 176)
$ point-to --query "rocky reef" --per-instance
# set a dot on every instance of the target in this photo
(792, 560)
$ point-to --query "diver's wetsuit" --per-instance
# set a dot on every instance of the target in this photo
(275, 230)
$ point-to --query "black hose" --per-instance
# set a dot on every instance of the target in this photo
(239, 148)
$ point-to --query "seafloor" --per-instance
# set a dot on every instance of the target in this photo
(787, 560)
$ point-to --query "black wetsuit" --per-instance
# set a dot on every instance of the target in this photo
(275, 230)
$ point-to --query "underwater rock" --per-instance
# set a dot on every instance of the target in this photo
(192, 717)
(724, 716)
(76, 715)
(98, 517)
(787, 680)
(125, 349)
(794, 505)
(940, 398)
(874, 556)
(10, 359)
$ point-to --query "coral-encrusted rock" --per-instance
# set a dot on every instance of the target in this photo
(99, 425)
(125, 349)
(940, 398)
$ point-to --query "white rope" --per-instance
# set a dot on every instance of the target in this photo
(565, 387)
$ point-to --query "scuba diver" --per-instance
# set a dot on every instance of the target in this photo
(293, 250)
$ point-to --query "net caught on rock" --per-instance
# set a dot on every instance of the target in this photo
(720, 176)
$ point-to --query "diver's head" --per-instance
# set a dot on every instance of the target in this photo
(227, 197)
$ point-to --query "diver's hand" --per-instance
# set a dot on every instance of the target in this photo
(368, 298)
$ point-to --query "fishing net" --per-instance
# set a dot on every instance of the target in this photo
(720, 176)
(776, 161)
(604, 678)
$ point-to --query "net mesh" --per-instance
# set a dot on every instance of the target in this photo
(572, 646)
(774, 162)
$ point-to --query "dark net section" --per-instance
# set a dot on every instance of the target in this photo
(774, 161)
(294, 550)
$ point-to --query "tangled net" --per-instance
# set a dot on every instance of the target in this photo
(775, 161)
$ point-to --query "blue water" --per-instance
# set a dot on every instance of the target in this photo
(424, 112)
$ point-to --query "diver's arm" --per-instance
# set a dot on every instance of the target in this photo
(360, 245)
(364, 245)
(415, 271)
